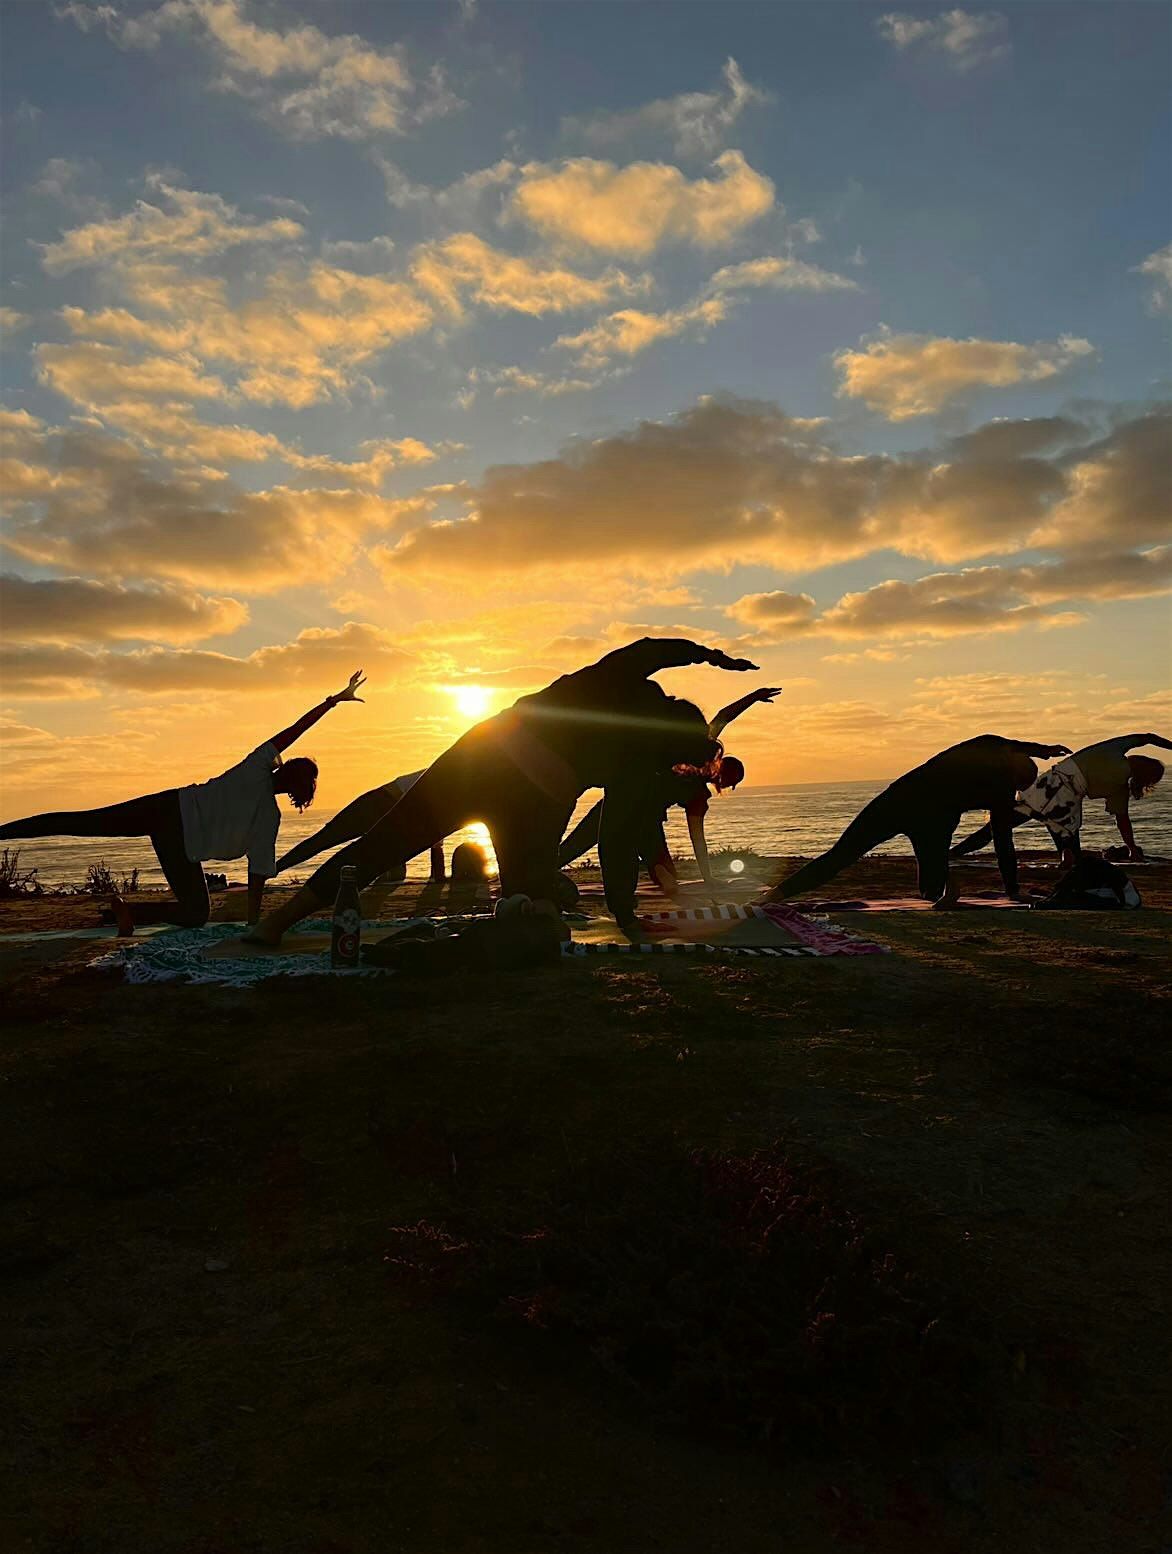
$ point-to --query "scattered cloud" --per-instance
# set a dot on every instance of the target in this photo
(81, 499)
(11, 319)
(777, 612)
(731, 482)
(76, 609)
(464, 265)
(308, 84)
(1158, 267)
(976, 601)
(460, 200)
(183, 222)
(696, 123)
(902, 376)
(302, 339)
(521, 380)
(962, 40)
(635, 209)
(318, 656)
(629, 331)
(779, 273)
(982, 600)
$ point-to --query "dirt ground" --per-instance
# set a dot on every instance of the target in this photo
(208, 1351)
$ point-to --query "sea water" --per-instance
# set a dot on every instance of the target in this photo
(790, 821)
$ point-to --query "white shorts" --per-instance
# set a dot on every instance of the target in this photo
(1056, 800)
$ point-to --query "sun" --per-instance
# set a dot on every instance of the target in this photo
(472, 701)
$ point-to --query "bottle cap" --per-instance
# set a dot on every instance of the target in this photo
(349, 873)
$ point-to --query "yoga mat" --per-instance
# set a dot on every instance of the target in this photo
(770, 930)
(106, 931)
(214, 954)
(913, 904)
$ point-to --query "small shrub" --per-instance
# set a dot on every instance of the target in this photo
(15, 881)
(99, 879)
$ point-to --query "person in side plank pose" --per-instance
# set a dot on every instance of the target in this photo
(231, 816)
(926, 804)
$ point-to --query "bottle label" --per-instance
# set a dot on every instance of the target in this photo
(347, 934)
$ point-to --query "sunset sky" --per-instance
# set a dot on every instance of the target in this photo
(461, 342)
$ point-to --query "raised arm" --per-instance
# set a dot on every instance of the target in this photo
(649, 655)
(1127, 742)
(734, 709)
(1028, 747)
(295, 730)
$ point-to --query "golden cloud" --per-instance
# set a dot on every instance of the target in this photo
(91, 502)
(319, 656)
(630, 331)
(978, 600)
(908, 375)
(632, 210)
(465, 265)
(185, 222)
(305, 82)
(733, 482)
(76, 609)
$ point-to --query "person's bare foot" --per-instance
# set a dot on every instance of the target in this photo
(260, 940)
(123, 917)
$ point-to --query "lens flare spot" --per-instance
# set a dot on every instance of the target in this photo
(478, 832)
(471, 701)
(737, 866)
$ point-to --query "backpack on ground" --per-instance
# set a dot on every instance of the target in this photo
(1093, 885)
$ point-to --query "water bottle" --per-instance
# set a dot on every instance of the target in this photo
(347, 925)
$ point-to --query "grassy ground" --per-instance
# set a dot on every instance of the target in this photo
(374, 1267)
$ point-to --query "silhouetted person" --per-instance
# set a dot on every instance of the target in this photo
(231, 816)
(521, 772)
(690, 792)
(926, 804)
(358, 817)
(1101, 771)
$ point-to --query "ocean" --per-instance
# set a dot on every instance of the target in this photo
(789, 820)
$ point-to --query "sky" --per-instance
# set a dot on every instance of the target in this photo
(463, 342)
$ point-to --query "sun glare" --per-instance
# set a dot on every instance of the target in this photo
(471, 700)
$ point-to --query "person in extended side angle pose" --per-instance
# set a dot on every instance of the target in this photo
(926, 804)
(1101, 771)
(690, 792)
(606, 726)
(355, 820)
(233, 815)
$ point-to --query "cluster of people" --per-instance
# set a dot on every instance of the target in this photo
(522, 771)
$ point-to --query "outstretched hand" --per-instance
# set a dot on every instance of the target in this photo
(721, 660)
(350, 693)
(1058, 750)
(768, 692)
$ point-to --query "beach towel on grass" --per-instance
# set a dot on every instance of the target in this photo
(206, 954)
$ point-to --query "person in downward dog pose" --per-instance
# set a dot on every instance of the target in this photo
(608, 726)
(355, 820)
(1103, 771)
(926, 804)
(690, 792)
(231, 816)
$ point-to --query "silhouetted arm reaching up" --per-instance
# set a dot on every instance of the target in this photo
(289, 735)
(734, 709)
